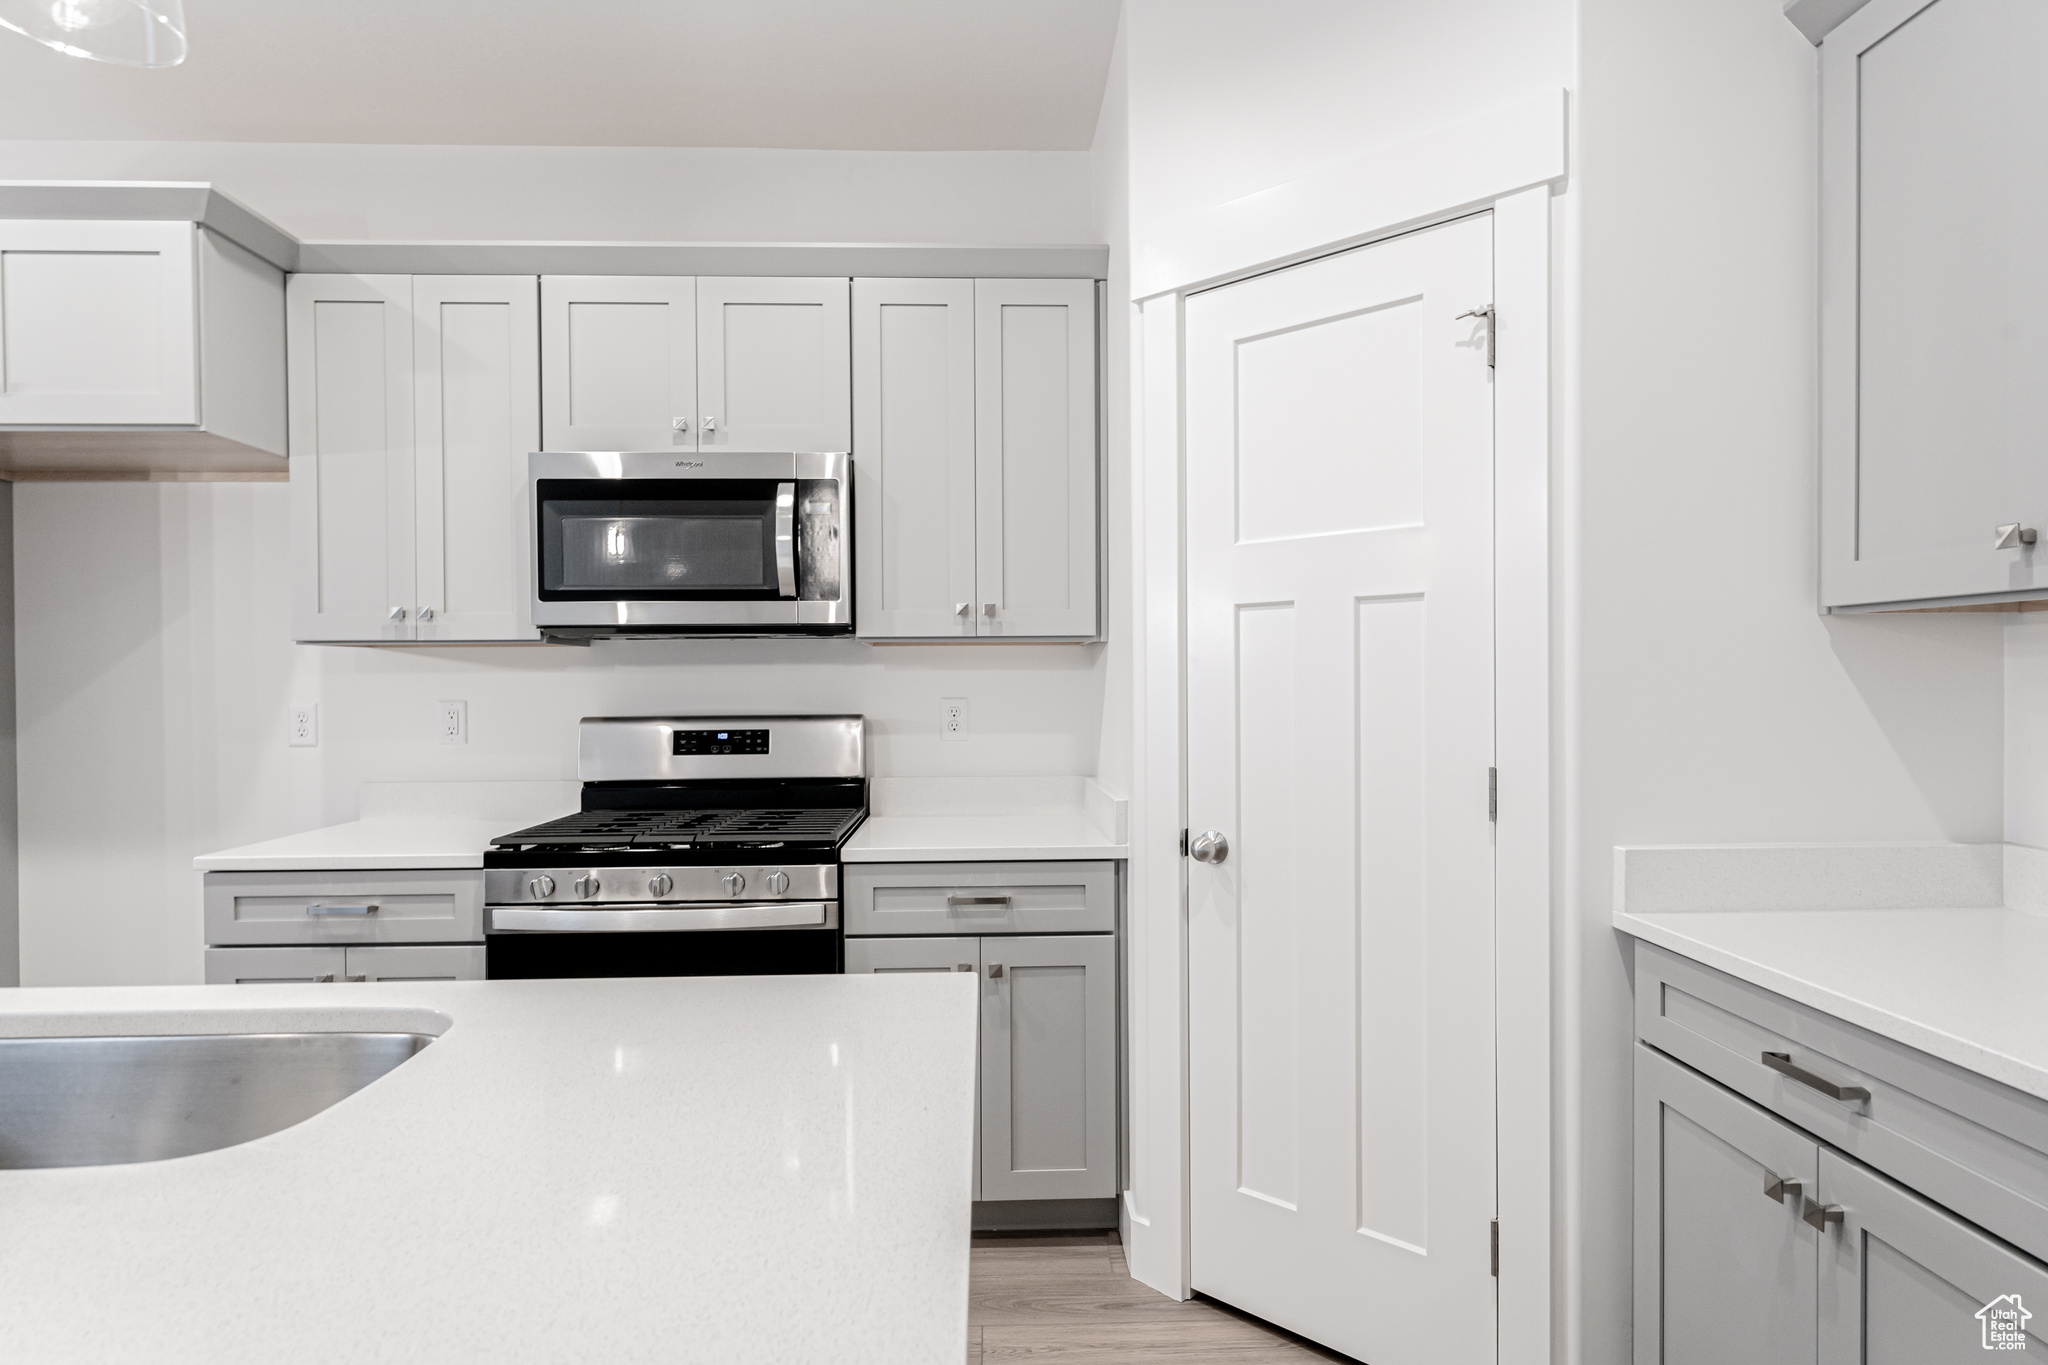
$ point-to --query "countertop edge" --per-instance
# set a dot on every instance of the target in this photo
(339, 862)
(1033, 853)
(1958, 1051)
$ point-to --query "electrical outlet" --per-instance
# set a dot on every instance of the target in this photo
(455, 722)
(302, 727)
(953, 718)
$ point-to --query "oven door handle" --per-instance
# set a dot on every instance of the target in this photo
(652, 919)
(785, 538)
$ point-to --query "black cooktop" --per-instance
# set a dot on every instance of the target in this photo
(820, 827)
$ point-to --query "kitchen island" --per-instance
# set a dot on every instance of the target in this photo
(687, 1169)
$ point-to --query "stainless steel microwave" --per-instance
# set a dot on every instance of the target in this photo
(662, 543)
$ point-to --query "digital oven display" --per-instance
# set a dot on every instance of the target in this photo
(690, 742)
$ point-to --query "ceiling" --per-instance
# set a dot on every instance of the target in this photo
(913, 75)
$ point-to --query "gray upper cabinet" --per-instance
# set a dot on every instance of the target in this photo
(772, 366)
(1048, 1067)
(913, 467)
(414, 400)
(619, 362)
(1934, 412)
(975, 455)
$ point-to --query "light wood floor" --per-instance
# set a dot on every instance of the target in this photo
(1068, 1299)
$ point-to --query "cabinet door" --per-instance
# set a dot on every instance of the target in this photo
(417, 962)
(773, 369)
(348, 344)
(618, 362)
(1934, 137)
(256, 966)
(1903, 1282)
(913, 457)
(1048, 1067)
(1035, 426)
(476, 406)
(1725, 1269)
(97, 324)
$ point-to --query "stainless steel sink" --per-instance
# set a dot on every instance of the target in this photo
(108, 1101)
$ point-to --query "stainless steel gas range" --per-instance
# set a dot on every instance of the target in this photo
(705, 846)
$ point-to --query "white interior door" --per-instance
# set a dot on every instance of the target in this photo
(1340, 731)
(618, 362)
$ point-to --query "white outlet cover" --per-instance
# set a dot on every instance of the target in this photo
(454, 722)
(302, 726)
(953, 718)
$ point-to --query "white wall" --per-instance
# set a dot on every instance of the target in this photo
(2026, 728)
(1233, 96)
(1708, 701)
(322, 191)
(1111, 179)
(155, 668)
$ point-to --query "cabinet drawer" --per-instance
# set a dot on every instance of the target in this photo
(256, 966)
(1967, 1142)
(432, 906)
(980, 898)
(373, 962)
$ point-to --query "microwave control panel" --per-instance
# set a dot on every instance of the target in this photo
(689, 742)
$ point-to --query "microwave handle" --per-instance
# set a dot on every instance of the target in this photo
(785, 538)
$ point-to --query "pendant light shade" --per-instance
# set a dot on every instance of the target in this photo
(125, 32)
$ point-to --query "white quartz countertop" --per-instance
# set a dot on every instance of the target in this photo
(911, 819)
(726, 1169)
(1958, 975)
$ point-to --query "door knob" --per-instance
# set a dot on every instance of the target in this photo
(1209, 847)
(2012, 536)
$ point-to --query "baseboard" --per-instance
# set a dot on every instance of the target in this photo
(1044, 1215)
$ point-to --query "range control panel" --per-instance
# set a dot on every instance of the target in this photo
(690, 742)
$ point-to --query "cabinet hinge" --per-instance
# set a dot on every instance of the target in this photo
(1492, 326)
(1183, 843)
(1492, 794)
(1496, 1248)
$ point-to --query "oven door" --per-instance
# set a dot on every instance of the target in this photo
(659, 543)
(787, 938)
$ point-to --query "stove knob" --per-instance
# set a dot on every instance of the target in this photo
(541, 887)
(776, 882)
(733, 883)
(585, 885)
(658, 885)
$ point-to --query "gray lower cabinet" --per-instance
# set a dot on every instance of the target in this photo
(1048, 1067)
(396, 962)
(1903, 1282)
(1772, 1221)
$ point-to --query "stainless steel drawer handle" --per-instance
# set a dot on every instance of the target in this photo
(954, 898)
(1778, 1186)
(1781, 1062)
(1818, 1216)
(341, 909)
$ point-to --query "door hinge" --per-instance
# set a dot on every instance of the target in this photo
(1492, 326)
(1493, 793)
(1183, 843)
(1496, 1248)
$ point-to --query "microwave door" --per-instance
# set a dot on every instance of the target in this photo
(785, 538)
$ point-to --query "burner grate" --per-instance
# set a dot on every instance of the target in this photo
(818, 825)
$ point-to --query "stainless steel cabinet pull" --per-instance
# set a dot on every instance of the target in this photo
(1781, 1062)
(681, 424)
(398, 613)
(1209, 847)
(2012, 536)
(995, 971)
(1818, 1216)
(710, 424)
(1778, 1186)
(962, 608)
(341, 909)
(988, 609)
(426, 613)
(964, 967)
(954, 898)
